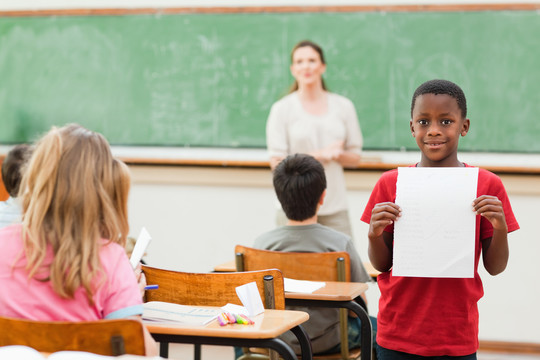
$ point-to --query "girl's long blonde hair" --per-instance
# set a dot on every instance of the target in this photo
(74, 194)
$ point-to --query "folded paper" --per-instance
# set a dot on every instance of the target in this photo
(250, 298)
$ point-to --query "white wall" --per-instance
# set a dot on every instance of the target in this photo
(509, 309)
(196, 222)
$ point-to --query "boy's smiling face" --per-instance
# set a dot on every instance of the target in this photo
(436, 125)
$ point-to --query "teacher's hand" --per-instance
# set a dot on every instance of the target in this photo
(329, 153)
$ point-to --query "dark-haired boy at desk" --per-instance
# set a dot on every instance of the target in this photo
(300, 185)
(11, 209)
(435, 318)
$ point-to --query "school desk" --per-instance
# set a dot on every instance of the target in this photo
(264, 333)
(334, 294)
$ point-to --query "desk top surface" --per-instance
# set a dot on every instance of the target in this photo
(269, 324)
(332, 291)
(229, 266)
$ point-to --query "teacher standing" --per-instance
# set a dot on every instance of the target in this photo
(314, 121)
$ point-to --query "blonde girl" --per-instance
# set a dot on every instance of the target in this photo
(66, 261)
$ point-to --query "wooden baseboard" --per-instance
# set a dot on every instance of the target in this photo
(510, 347)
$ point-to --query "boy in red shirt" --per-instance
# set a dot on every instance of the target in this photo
(435, 318)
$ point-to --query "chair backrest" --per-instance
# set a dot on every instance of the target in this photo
(212, 289)
(104, 337)
(296, 265)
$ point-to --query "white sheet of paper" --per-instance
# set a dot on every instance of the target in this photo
(140, 247)
(302, 286)
(435, 235)
(250, 298)
(235, 309)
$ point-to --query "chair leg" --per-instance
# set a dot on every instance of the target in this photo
(344, 333)
(164, 349)
(273, 355)
(117, 345)
(197, 352)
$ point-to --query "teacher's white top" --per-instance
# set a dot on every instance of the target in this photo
(290, 129)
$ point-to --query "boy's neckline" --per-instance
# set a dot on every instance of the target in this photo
(461, 164)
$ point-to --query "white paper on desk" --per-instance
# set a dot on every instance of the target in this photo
(302, 286)
(435, 235)
(250, 298)
(140, 247)
(235, 309)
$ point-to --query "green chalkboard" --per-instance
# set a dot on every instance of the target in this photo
(210, 79)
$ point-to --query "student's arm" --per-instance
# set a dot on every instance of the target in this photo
(495, 249)
(141, 279)
(380, 242)
(150, 345)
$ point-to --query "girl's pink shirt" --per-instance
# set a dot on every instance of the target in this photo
(25, 298)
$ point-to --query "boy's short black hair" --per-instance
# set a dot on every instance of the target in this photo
(299, 182)
(11, 168)
(438, 87)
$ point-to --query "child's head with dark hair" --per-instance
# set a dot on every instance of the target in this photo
(12, 166)
(438, 120)
(299, 182)
(438, 87)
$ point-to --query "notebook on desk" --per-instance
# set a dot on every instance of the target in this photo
(180, 314)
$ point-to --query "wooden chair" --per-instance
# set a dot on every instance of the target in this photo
(104, 337)
(325, 266)
(211, 289)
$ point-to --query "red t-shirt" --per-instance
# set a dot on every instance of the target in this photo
(433, 316)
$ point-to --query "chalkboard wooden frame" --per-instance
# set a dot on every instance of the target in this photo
(278, 9)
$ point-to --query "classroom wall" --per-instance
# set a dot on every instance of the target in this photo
(197, 215)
